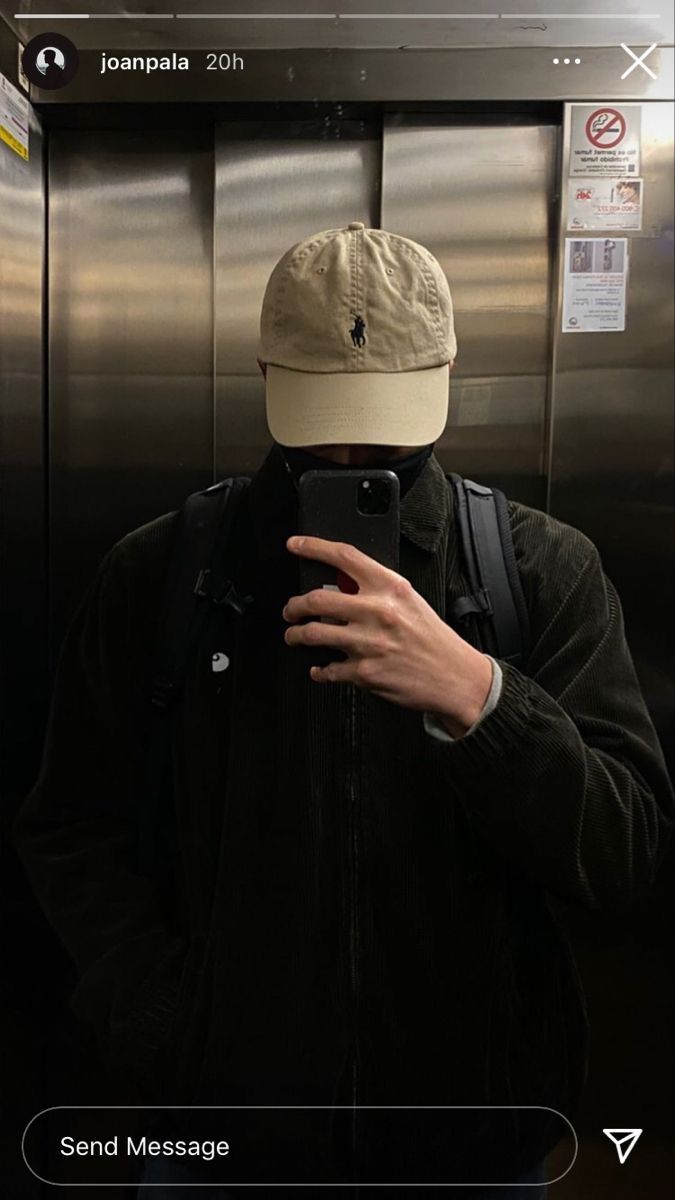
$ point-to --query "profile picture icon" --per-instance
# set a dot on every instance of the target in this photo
(49, 58)
(50, 61)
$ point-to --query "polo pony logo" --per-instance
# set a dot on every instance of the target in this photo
(357, 331)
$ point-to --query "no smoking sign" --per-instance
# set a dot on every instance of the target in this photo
(606, 128)
(605, 140)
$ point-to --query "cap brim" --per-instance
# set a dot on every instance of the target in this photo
(398, 408)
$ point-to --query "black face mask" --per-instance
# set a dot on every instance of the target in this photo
(407, 469)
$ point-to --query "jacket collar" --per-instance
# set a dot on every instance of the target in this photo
(273, 506)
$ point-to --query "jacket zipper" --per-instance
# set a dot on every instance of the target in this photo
(354, 931)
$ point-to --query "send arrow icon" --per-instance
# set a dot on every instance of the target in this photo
(624, 1140)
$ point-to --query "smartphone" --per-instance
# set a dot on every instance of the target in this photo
(360, 507)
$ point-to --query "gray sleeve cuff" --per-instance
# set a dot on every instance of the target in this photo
(436, 729)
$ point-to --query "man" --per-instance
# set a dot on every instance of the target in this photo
(353, 904)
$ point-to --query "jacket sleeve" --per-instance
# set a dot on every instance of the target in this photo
(76, 832)
(435, 728)
(565, 776)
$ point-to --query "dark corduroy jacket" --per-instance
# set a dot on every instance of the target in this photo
(349, 908)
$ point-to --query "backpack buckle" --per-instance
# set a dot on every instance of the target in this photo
(199, 589)
(228, 593)
(231, 596)
(478, 602)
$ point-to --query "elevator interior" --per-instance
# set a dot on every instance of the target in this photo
(160, 242)
(134, 248)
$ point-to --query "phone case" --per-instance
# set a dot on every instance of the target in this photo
(328, 508)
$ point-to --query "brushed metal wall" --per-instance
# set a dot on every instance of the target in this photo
(482, 198)
(274, 185)
(24, 683)
(22, 519)
(130, 338)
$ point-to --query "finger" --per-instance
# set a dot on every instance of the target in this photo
(339, 637)
(342, 556)
(334, 673)
(326, 602)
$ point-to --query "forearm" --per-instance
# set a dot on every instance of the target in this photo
(585, 823)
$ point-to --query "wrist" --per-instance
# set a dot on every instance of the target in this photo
(469, 699)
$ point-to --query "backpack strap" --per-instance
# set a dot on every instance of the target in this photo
(495, 608)
(196, 580)
(197, 573)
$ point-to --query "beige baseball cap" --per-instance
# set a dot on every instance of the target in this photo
(357, 332)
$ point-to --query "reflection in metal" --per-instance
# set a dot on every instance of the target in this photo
(130, 338)
(23, 667)
(481, 198)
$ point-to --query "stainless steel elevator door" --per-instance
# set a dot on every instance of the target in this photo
(130, 339)
(482, 198)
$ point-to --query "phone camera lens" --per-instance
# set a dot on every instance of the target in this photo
(373, 497)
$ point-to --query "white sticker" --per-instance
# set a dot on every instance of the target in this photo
(13, 118)
(604, 203)
(594, 286)
(605, 140)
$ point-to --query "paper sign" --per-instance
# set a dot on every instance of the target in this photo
(594, 287)
(13, 118)
(605, 140)
(604, 203)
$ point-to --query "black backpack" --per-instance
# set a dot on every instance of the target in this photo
(492, 615)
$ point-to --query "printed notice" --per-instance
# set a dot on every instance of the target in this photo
(605, 140)
(13, 118)
(604, 203)
(594, 287)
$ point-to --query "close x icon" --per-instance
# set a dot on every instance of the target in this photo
(638, 61)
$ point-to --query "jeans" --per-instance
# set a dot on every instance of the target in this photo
(531, 1186)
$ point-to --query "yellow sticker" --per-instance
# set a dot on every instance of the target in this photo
(5, 136)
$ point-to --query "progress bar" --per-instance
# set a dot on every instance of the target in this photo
(337, 16)
(94, 16)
